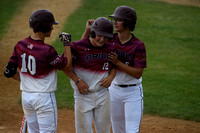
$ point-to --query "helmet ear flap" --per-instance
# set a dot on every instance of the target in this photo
(93, 34)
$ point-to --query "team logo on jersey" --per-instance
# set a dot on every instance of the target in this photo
(122, 55)
(56, 60)
(30, 46)
(97, 56)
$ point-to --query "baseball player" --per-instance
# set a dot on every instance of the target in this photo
(126, 92)
(38, 63)
(91, 76)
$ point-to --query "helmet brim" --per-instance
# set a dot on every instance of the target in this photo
(105, 34)
(116, 16)
(56, 22)
(112, 16)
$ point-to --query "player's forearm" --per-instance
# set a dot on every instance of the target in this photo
(134, 72)
(72, 75)
(86, 33)
(66, 40)
(16, 76)
(112, 73)
(87, 29)
(68, 55)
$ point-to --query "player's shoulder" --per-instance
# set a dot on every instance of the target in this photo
(80, 43)
(109, 45)
(115, 35)
(28, 40)
(137, 41)
(138, 44)
(36, 44)
(24, 41)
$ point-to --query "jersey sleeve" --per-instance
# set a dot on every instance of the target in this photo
(56, 60)
(74, 51)
(140, 57)
(13, 58)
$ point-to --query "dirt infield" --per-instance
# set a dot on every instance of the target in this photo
(11, 111)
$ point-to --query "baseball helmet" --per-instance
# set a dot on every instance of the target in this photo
(126, 13)
(102, 26)
(42, 20)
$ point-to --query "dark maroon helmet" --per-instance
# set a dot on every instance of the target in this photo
(103, 26)
(42, 20)
(127, 14)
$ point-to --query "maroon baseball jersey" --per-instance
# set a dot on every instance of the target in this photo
(91, 63)
(132, 53)
(38, 63)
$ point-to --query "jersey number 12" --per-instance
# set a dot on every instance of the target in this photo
(105, 66)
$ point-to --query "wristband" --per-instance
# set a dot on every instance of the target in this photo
(67, 44)
(78, 81)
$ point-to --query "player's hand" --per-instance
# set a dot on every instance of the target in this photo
(113, 57)
(65, 38)
(106, 82)
(83, 87)
(89, 24)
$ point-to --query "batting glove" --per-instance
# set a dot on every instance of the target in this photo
(65, 38)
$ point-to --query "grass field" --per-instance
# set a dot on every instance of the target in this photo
(7, 9)
(171, 33)
(171, 81)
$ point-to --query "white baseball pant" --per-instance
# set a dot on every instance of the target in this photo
(126, 108)
(98, 110)
(40, 110)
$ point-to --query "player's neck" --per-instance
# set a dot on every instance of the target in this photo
(124, 36)
(38, 36)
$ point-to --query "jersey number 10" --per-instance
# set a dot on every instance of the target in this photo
(31, 64)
